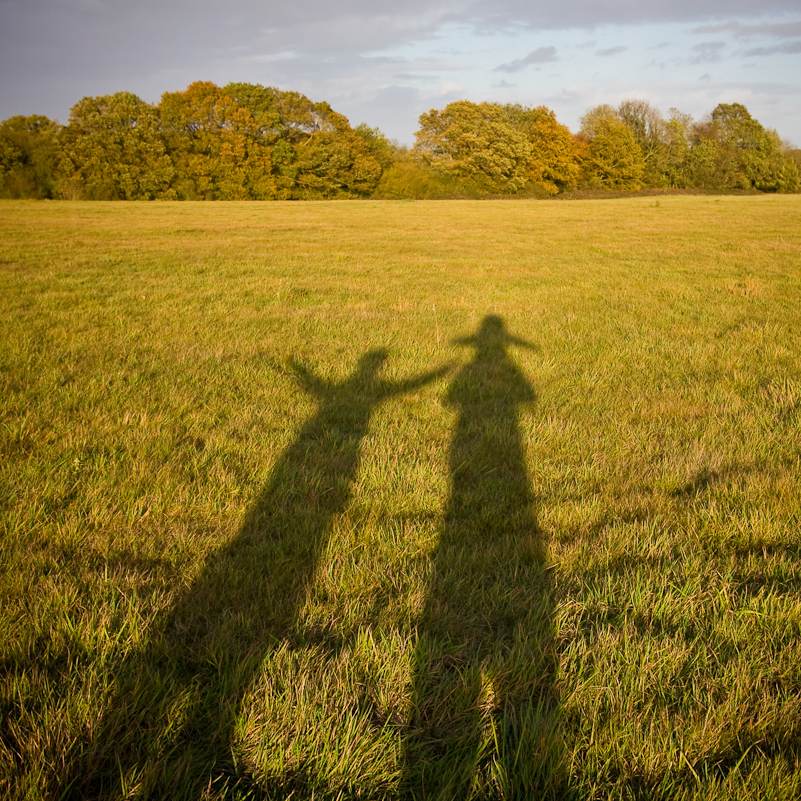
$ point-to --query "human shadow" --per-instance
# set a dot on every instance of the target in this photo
(484, 709)
(168, 728)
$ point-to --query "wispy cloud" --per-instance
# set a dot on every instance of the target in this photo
(611, 51)
(542, 55)
(707, 52)
(784, 30)
(788, 47)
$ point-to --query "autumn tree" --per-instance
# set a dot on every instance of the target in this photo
(315, 152)
(216, 145)
(476, 143)
(247, 141)
(379, 147)
(112, 148)
(268, 107)
(552, 164)
(659, 140)
(29, 155)
(613, 159)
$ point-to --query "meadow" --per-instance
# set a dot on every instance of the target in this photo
(400, 500)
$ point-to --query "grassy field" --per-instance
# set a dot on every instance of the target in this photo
(401, 500)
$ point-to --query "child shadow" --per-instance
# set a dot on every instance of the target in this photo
(484, 709)
(168, 729)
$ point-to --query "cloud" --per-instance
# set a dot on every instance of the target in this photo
(394, 96)
(542, 55)
(328, 25)
(788, 47)
(783, 30)
(611, 51)
(504, 85)
(168, 28)
(707, 52)
(52, 52)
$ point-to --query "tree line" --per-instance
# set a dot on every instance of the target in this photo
(249, 142)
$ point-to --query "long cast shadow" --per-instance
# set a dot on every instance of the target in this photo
(484, 710)
(168, 729)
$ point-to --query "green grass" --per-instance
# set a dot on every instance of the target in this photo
(401, 500)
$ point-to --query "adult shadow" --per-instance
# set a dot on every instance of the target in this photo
(484, 709)
(168, 728)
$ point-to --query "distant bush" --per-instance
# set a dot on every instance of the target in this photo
(409, 177)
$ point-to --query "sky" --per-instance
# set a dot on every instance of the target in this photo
(384, 62)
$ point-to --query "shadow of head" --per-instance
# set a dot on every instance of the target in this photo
(372, 361)
(492, 332)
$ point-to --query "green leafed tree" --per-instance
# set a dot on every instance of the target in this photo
(334, 161)
(651, 133)
(767, 166)
(592, 117)
(732, 150)
(379, 147)
(410, 176)
(792, 153)
(677, 136)
(612, 159)
(29, 154)
(477, 143)
(112, 149)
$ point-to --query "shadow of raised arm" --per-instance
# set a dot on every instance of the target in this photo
(313, 384)
(522, 343)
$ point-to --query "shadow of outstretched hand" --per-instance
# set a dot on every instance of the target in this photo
(169, 725)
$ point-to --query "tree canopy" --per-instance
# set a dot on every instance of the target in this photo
(248, 141)
(613, 158)
(29, 154)
(552, 164)
(475, 142)
(112, 149)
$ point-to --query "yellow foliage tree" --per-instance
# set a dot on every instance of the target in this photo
(217, 146)
(552, 165)
(477, 143)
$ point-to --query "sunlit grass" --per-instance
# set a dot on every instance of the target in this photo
(212, 569)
